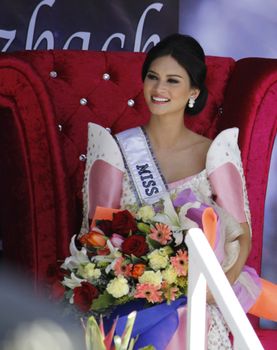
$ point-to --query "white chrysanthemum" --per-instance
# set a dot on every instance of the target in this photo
(145, 213)
(151, 277)
(89, 271)
(157, 260)
(170, 275)
(118, 287)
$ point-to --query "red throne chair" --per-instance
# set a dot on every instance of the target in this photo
(47, 99)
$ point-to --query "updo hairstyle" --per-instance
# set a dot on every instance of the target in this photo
(190, 55)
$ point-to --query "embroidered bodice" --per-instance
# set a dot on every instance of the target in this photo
(198, 183)
(223, 163)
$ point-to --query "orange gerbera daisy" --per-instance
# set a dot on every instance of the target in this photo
(148, 291)
(180, 262)
(161, 233)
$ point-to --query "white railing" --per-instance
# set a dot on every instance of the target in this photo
(204, 269)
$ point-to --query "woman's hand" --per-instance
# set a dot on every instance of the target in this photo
(233, 274)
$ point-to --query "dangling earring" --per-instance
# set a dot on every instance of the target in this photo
(191, 102)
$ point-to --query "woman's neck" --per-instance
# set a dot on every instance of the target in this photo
(166, 133)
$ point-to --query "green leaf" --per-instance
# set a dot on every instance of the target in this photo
(68, 294)
(103, 302)
(154, 244)
(145, 228)
(135, 259)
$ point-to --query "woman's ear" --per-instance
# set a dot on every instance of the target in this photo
(194, 93)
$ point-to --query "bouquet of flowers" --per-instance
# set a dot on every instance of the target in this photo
(127, 255)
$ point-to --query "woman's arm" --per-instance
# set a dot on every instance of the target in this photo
(245, 247)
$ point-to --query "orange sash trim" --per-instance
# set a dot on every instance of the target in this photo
(102, 213)
(209, 221)
(266, 304)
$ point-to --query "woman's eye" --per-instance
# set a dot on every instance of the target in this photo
(151, 76)
(173, 81)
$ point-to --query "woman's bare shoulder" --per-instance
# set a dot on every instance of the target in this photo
(201, 141)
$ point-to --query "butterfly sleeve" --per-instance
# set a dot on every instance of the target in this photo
(104, 172)
(225, 172)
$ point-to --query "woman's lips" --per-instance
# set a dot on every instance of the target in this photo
(158, 99)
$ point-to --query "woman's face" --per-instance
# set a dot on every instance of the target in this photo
(167, 87)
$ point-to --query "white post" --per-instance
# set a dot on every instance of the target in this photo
(203, 256)
(196, 318)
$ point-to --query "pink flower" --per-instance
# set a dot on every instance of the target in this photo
(161, 233)
(117, 240)
(121, 268)
(180, 262)
(150, 292)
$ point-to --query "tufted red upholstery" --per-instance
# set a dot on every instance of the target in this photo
(43, 130)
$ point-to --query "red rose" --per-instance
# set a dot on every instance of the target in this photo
(57, 291)
(105, 226)
(84, 296)
(123, 222)
(135, 245)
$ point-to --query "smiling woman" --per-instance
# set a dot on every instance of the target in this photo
(167, 87)
(177, 171)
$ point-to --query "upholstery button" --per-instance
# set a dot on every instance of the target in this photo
(109, 130)
(131, 103)
(53, 74)
(60, 127)
(83, 101)
(82, 157)
(106, 76)
(220, 110)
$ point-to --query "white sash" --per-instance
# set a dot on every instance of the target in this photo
(147, 179)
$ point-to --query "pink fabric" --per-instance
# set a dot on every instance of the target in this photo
(175, 184)
(227, 186)
(246, 299)
(105, 186)
(178, 341)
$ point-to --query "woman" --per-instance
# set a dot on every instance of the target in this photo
(166, 159)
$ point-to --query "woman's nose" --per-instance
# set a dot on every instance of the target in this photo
(160, 86)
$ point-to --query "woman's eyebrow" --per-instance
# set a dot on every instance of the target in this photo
(168, 75)
(175, 75)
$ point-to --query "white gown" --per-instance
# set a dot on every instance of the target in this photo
(231, 205)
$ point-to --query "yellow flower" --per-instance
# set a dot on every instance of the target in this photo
(157, 260)
(145, 213)
(182, 281)
(151, 277)
(170, 275)
(89, 271)
(167, 250)
(118, 287)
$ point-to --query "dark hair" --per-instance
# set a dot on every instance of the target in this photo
(190, 55)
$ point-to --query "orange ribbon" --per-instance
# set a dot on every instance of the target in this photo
(266, 304)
